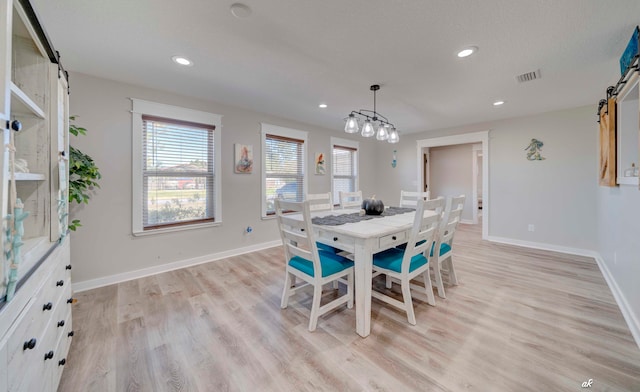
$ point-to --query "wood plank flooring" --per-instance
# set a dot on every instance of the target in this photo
(520, 320)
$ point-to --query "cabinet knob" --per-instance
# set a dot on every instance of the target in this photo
(48, 355)
(62, 362)
(393, 238)
(61, 323)
(70, 334)
(335, 238)
(16, 125)
(29, 344)
(60, 283)
(68, 267)
(70, 300)
(47, 306)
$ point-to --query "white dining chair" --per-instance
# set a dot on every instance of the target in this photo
(442, 251)
(306, 262)
(350, 199)
(320, 201)
(409, 199)
(404, 265)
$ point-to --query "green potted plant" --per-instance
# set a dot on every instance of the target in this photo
(83, 173)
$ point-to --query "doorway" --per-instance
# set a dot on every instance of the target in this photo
(479, 168)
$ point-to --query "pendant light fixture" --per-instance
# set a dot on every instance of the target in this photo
(385, 130)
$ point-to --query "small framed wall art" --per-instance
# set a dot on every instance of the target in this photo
(243, 158)
(319, 160)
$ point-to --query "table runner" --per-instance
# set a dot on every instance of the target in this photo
(335, 220)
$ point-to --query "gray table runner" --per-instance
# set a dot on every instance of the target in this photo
(335, 220)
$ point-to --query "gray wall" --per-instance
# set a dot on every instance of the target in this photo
(104, 245)
(452, 175)
(557, 195)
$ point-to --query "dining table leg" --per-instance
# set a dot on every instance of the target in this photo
(363, 260)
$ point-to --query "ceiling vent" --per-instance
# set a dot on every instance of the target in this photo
(529, 76)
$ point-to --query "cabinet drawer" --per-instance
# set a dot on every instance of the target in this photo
(62, 349)
(336, 240)
(62, 315)
(391, 240)
(28, 331)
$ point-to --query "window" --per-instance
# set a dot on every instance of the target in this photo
(344, 167)
(283, 166)
(174, 174)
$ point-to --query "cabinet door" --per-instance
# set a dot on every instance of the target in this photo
(5, 58)
(59, 153)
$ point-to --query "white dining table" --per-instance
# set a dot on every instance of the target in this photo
(364, 239)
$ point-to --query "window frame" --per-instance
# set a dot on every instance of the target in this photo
(269, 129)
(170, 112)
(336, 141)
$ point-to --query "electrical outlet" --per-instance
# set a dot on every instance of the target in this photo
(532, 227)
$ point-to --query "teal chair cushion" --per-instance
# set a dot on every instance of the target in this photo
(327, 248)
(391, 259)
(330, 262)
(444, 248)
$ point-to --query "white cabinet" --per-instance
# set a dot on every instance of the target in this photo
(35, 276)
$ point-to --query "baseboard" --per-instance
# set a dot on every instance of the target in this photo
(125, 276)
(623, 305)
(632, 321)
(543, 246)
(466, 221)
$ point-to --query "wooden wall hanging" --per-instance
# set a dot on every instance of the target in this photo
(607, 170)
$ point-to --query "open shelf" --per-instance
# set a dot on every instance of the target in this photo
(21, 104)
(29, 177)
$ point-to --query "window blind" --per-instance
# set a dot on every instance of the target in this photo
(284, 171)
(344, 169)
(178, 172)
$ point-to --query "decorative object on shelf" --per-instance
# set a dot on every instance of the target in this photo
(630, 52)
(83, 173)
(372, 206)
(394, 161)
(385, 131)
(632, 171)
(320, 169)
(22, 166)
(607, 153)
(244, 158)
(17, 218)
(534, 150)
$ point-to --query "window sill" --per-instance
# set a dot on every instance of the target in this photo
(269, 217)
(176, 228)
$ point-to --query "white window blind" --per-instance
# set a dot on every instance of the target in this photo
(284, 170)
(344, 169)
(178, 172)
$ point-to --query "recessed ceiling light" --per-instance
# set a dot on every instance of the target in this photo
(322, 105)
(498, 103)
(240, 10)
(466, 52)
(182, 60)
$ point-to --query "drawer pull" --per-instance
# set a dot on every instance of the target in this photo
(335, 238)
(393, 238)
(70, 334)
(62, 362)
(16, 125)
(30, 344)
(68, 267)
(60, 283)
(70, 300)
(48, 355)
(61, 323)
(47, 306)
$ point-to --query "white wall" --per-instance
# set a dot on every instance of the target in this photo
(452, 175)
(104, 245)
(557, 195)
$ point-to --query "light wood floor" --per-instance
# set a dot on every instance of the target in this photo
(520, 320)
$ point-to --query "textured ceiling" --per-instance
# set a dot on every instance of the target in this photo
(291, 55)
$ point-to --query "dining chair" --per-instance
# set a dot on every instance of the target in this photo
(404, 265)
(320, 201)
(350, 199)
(436, 205)
(306, 262)
(409, 199)
(443, 257)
